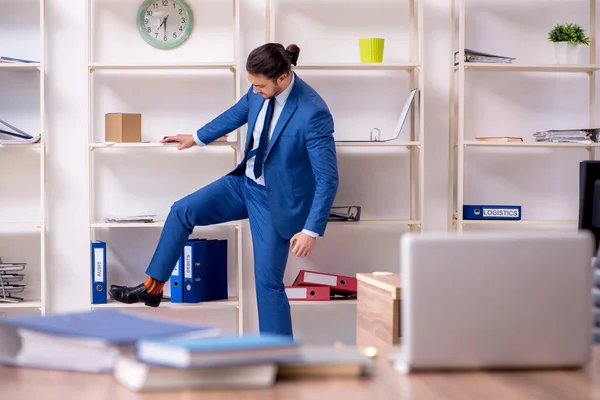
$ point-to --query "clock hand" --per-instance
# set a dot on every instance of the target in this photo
(165, 22)
(161, 24)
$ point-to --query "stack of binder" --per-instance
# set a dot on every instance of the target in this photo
(11, 278)
(201, 272)
(320, 286)
(199, 275)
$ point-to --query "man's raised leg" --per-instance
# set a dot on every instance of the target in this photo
(218, 202)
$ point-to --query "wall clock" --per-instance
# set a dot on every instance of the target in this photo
(165, 24)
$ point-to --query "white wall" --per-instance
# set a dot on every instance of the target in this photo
(501, 104)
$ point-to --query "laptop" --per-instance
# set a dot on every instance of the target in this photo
(399, 124)
(496, 301)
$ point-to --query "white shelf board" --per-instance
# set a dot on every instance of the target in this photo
(475, 143)
(231, 302)
(155, 224)
(20, 225)
(519, 222)
(146, 145)
(582, 68)
(21, 146)
(351, 224)
(20, 66)
(22, 304)
(373, 222)
(393, 143)
(322, 303)
(174, 66)
(357, 66)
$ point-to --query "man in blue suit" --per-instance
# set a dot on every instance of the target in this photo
(285, 185)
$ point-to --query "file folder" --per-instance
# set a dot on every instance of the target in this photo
(338, 283)
(98, 272)
(205, 270)
(311, 293)
(176, 283)
(491, 212)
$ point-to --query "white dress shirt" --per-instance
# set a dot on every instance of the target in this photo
(280, 101)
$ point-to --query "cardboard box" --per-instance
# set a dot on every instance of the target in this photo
(126, 128)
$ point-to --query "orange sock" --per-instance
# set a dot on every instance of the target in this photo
(153, 286)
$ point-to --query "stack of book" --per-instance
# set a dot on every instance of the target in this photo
(320, 286)
(11, 276)
(148, 354)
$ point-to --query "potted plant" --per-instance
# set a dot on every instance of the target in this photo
(566, 39)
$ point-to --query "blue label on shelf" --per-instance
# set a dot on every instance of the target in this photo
(492, 212)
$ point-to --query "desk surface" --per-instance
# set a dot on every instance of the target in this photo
(385, 281)
(387, 384)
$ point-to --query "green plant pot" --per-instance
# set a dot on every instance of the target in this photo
(371, 49)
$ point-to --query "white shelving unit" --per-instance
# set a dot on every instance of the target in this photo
(233, 144)
(415, 69)
(34, 71)
(415, 145)
(459, 145)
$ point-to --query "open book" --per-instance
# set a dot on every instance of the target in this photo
(5, 59)
(17, 135)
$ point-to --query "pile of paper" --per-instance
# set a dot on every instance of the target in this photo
(11, 277)
(478, 56)
(131, 218)
(584, 136)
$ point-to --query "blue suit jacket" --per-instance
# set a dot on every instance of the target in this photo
(301, 174)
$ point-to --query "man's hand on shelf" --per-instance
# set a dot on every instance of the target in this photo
(185, 141)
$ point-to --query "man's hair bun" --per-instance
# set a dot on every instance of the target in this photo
(294, 52)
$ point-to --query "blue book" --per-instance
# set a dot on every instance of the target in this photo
(110, 326)
(88, 341)
(98, 272)
(224, 350)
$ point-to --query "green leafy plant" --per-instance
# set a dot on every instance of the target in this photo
(571, 33)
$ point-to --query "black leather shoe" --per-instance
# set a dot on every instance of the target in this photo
(130, 295)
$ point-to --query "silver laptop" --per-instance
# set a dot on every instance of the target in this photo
(496, 301)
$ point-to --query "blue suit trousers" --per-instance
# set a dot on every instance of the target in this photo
(231, 198)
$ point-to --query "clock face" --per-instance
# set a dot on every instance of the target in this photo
(165, 23)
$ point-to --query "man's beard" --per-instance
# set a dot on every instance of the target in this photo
(277, 91)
